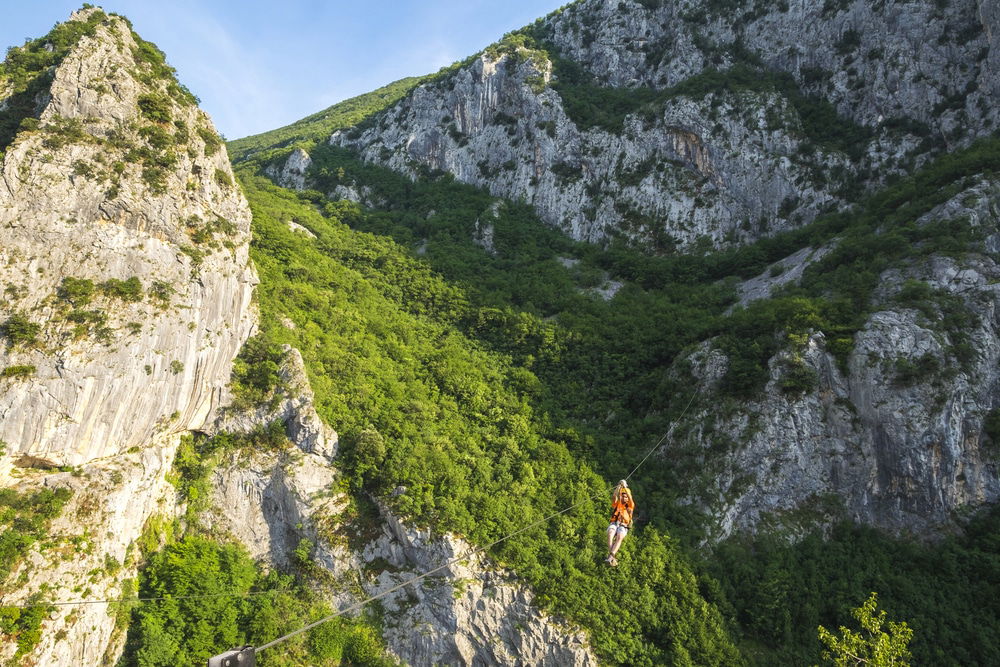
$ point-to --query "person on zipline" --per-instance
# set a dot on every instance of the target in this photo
(622, 507)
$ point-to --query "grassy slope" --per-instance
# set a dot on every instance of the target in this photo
(322, 124)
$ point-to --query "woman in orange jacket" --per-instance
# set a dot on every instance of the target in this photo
(622, 508)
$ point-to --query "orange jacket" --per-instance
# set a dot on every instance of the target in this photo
(622, 507)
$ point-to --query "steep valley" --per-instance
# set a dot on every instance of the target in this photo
(449, 314)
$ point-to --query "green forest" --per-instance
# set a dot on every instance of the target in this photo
(494, 388)
(479, 391)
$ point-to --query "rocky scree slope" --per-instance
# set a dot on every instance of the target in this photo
(678, 125)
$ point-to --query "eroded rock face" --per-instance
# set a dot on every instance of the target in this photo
(874, 61)
(89, 552)
(469, 613)
(294, 408)
(701, 169)
(122, 180)
(293, 173)
(893, 439)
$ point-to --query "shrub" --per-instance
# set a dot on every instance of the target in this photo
(991, 427)
(156, 136)
(176, 367)
(126, 290)
(155, 107)
(161, 291)
(77, 291)
(23, 371)
(256, 370)
(211, 139)
(908, 372)
(222, 178)
(798, 379)
(19, 330)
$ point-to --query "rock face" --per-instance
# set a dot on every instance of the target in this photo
(704, 164)
(125, 178)
(127, 294)
(895, 437)
(91, 543)
(293, 173)
(468, 613)
(294, 408)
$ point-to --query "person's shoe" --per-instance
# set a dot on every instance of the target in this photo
(609, 560)
(613, 561)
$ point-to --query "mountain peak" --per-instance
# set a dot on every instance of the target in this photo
(112, 175)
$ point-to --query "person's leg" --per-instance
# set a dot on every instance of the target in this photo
(612, 532)
(617, 542)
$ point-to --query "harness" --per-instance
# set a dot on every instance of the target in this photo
(620, 510)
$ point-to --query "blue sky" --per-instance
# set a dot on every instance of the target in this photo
(258, 65)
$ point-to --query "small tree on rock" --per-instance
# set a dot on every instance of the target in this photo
(871, 646)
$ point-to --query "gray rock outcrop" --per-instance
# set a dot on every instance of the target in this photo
(717, 164)
(293, 406)
(292, 174)
(895, 437)
(124, 179)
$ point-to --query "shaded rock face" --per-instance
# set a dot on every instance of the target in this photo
(895, 437)
(710, 169)
(87, 544)
(469, 613)
(874, 60)
(121, 181)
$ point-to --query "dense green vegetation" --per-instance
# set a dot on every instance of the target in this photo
(24, 520)
(215, 596)
(446, 368)
(322, 124)
(780, 592)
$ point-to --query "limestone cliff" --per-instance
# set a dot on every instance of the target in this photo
(126, 295)
(721, 126)
(123, 258)
(894, 437)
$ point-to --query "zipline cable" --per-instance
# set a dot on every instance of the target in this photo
(360, 604)
(248, 594)
(417, 578)
(665, 436)
(471, 552)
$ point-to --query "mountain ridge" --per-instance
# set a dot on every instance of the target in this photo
(483, 369)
